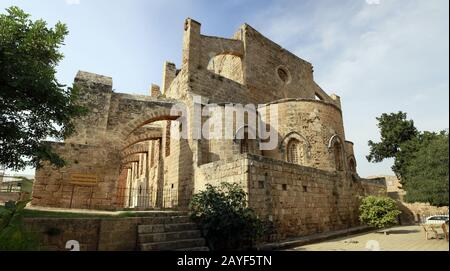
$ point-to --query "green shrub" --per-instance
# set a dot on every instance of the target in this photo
(226, 221)
(379, 212)
(13, 235)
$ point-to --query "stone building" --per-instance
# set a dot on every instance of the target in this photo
(123, 154)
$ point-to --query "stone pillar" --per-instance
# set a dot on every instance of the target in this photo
(169, 74)
(191, 45)
(91, 128)
(154, 90)
(336, 99)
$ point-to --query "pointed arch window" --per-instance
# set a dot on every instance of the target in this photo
(293, 151)
(352, 165)
(245, 143)
(337, 150)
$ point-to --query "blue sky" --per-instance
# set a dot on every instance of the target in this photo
(378, 55)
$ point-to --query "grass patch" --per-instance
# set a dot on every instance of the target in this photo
(27, 213)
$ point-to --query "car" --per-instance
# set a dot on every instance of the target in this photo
(437, 219)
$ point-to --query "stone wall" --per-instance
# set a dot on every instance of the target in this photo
(415, 212)
(55, 187)
(299, 200)
(313, 123)
(93, 234)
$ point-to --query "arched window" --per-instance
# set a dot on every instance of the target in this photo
(352, 165)
(244, 143)
(337, 150)
(228, 66)
(293, 151)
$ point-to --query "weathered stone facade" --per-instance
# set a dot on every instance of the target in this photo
(124, 155)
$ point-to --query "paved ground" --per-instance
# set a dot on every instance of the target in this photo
(403, 238)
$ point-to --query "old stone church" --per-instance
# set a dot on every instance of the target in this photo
(123, 155)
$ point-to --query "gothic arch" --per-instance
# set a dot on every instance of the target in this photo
(336, 147)
(351, 162)
(130, 115)
(288, 141)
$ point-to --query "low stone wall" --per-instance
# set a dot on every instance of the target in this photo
(234, 170)
(418, 212)
(103, 234)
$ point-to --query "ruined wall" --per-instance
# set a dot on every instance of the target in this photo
(265, 70)
(415, 212)
(245, 69)
(54, 187)
(95, 93)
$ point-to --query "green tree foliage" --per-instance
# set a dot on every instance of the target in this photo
(379, 212)
(395, 130)
(420, 158)
(226, 221)
(13, 235)
(426, 174)
(33, 105)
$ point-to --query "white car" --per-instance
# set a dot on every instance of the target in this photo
(437, 219)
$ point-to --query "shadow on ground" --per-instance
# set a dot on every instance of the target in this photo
(398, 231)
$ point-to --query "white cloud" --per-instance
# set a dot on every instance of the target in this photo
(72, 2)
(373, 2)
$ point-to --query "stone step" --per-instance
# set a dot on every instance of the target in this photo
(156, 213)
(168, 236)
(159, 228)
(166, 220)
(172, 245)
(204, 248)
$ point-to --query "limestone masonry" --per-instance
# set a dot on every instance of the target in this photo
(123, 155)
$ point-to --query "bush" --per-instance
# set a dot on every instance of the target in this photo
(13, 235)
(379, 212)
(226, 221)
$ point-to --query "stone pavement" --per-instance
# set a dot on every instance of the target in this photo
(402, 238)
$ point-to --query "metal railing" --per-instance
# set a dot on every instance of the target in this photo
(134, 197)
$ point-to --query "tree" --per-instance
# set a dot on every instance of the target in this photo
(395, 130)
(379, 212)
(226, 221)
(33, 104)
(13, 234)
(426, 174)
(420, 158)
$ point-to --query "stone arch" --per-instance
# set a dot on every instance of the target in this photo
(131, 114)
(242, 138)
(146, 119)
(336, 147)
(302, 147)
(133, 158)
(214, 46)
(227, 65)
(351, 162)
(142, 134)
(141, 147)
